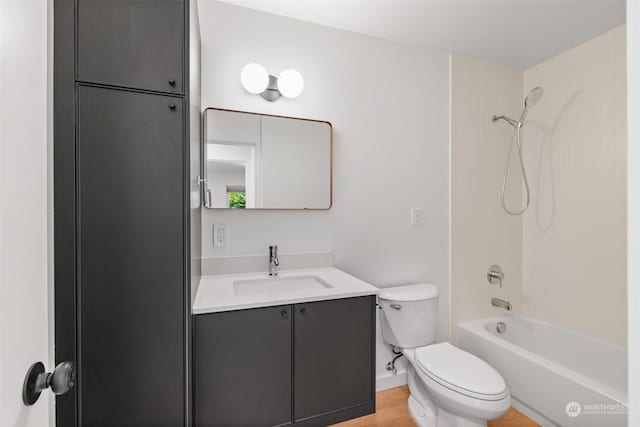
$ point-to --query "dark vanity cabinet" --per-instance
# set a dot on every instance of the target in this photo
(243, 367)
(138, 44)
(307, 364)
(332, 355)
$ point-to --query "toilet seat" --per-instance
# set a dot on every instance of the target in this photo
(459, 371)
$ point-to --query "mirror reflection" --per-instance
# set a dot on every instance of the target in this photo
(259, 161)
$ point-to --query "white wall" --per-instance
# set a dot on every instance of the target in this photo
(389, 106)
(482, 234)
(633, 216)
(574, 239)
(24, 135)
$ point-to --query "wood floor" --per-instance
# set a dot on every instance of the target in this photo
(391, 411)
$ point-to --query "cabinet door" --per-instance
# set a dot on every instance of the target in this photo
(242, 371)
(136, 43)
(131, 286)
(333, 356)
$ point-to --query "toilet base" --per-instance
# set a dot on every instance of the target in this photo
(426, 413)
(424, 417)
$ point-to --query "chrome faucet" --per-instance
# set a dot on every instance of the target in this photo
(495, 275)
(274, 263)
(500, 303)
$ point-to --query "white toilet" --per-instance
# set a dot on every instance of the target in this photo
(448, 386)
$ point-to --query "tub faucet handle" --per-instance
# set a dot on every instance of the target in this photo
(495, 275)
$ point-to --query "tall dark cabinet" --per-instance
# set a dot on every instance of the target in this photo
(133, 43)
(121, 211)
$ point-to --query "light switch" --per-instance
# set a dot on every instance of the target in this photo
(220, 235)
(416, 216)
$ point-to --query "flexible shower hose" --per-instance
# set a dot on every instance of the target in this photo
(515, 137)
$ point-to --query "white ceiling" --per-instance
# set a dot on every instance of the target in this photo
(518, 33)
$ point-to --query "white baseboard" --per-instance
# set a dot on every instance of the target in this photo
(532, 413)
(387, 381)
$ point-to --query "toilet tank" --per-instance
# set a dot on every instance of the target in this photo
(409, 315)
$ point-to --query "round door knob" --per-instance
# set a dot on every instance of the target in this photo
(60, 381)
(63, 378)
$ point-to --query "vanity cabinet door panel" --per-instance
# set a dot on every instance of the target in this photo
(131, 287)
(333, 356)
(138, 44)
(242, 371)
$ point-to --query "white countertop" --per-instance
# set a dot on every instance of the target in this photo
(217, 293)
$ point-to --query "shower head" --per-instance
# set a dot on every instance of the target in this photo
(530, 100)
(533, 97)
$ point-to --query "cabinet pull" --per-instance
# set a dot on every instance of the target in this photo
(172, 82)
(284, 313)
(303, 311)
(172, 106)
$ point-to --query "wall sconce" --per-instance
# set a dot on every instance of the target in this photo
(256, 80)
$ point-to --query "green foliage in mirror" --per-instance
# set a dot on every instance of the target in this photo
(237, 200)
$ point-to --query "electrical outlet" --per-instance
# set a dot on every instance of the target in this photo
(220, 235)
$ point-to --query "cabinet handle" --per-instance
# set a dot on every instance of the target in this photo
(172, 106)
(284, 313)
(172, 82)
(303, 311)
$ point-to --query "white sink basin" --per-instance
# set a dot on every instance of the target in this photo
(278, 285)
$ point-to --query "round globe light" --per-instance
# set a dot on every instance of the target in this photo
(290, 83)
(254, 78)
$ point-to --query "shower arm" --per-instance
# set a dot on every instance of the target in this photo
(509, 120)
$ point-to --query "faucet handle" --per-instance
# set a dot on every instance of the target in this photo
(495, 275)
(274, 262)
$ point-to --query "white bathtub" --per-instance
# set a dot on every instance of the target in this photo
(553, 372)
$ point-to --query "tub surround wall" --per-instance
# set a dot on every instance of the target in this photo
(389, 106)
(565, 258)
(482, 234)
(574, 236)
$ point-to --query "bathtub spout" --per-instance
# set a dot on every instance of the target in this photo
(500, 303)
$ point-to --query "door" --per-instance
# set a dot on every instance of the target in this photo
(131, 287)
(24, 211)
(333, 356)
(243, 368)
(132, 43)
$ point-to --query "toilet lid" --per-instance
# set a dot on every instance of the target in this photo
(461, 371)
